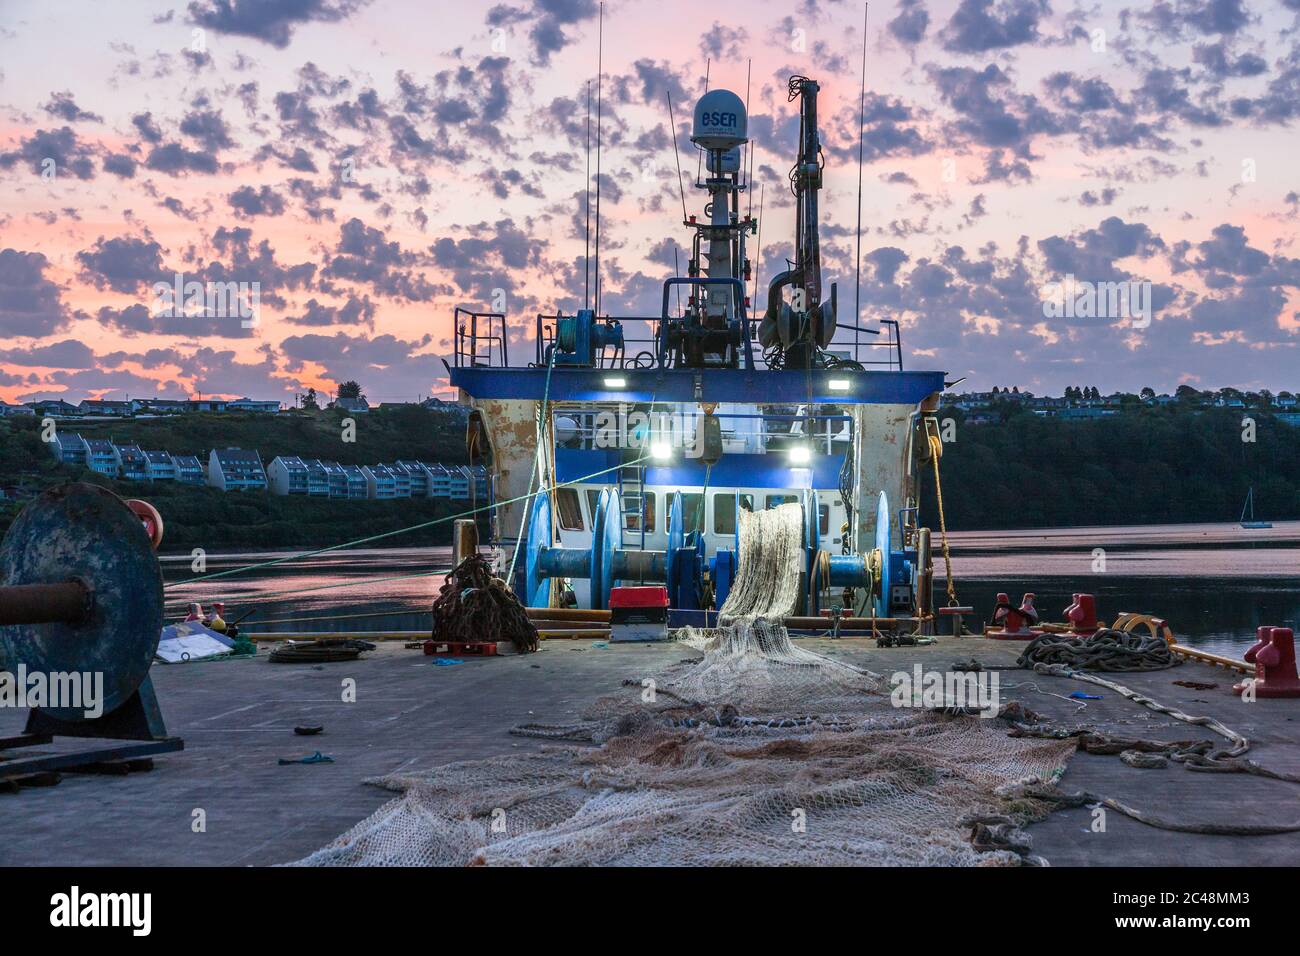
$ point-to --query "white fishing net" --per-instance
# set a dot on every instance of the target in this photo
(756, 753)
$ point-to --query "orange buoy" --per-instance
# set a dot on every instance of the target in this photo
(150, 518)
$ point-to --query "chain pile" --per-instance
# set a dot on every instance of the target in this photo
(474, 605)
(1106, 650)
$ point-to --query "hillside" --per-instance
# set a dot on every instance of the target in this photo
(1146, 465)
(208, 518)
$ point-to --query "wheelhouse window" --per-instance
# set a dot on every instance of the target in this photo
(569, 507)
(724, 511)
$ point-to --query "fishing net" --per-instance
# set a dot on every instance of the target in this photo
(752, 752)
(475, 605)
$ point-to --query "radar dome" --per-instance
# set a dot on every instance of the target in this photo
(720, 121)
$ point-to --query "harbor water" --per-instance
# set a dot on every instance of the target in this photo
(1215, 583)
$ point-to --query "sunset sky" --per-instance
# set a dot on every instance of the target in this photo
(373, 164)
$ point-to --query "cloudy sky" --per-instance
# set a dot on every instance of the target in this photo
(372, 164)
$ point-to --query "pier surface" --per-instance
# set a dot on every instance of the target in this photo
(237, 719)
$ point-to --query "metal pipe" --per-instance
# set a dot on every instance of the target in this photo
(464, 538)
(65, 603)
(850, 623)
(1209, 658)
(640, 565)
(566, 614)
(565, 562)
(924, 576)
(543, 623)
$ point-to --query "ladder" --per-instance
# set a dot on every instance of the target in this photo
(631, 499)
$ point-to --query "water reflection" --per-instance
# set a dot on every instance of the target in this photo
(1215, 583)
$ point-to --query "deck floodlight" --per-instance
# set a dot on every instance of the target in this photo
(800, 455)
(839, 384)
(660, 450)
(615, 381)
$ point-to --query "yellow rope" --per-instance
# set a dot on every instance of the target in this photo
(936, 449)
(874, 566)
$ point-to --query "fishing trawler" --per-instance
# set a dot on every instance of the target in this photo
(623, 451)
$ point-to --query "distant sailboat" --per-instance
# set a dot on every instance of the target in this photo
(1249, 506)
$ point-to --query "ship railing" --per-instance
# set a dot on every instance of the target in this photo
(480, 338)
(630, 356)
(883, 347)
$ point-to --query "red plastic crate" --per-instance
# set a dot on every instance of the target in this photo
(638, 597)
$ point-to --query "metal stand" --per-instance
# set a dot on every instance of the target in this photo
(135, 730)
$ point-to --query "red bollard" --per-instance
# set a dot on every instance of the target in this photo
(1275, 667)
(1015, 621)
(1082, 615)
(1262, 637)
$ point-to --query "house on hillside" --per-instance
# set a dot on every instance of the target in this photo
(439, 480)
(401, 480)
(353, 405)
(287, 475)
(318, 479)
(100, 456)
(418, 474)
(189, 470)
(206, 405)
(160, 466)
(107, 409)
(55, 408)
(69, 449)
(253, 405)
(236, 469)
(131, 463)
(381, 484)
(162, 406)
(345, 481)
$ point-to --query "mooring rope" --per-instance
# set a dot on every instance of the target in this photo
(388, 534)
(936, 450)
(1106, 650)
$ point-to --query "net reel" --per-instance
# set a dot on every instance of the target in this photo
(81, 593)
(607, 564)
(886, 572)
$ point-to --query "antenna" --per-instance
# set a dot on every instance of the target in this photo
(586, 262)
(758, 240)
(699, 156)
(680, 185)
(600, 68)
(677, 271)
(749, 147)
(857, 256)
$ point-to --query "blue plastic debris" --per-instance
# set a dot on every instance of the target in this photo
(600, 645)
(1080, 695)
(317, 757)
(446, 661)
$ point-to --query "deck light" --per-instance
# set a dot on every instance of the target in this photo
(839, 384)
(660, 450)
(615, 381)
(800, 455)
